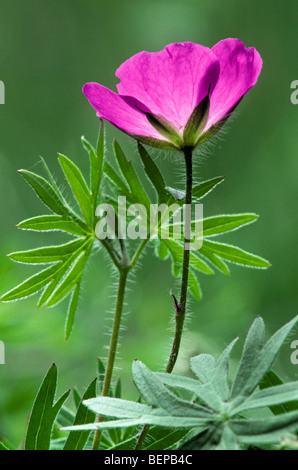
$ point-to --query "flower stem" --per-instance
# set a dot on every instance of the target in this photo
(113, 346)
(181, 306)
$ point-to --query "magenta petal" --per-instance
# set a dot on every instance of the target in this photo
(117, 111)
(172, 82)
(239, 70)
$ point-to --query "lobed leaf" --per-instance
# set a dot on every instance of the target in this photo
(271, 379)
(44, 191)
(47, 254)
(226, 223)
(32, 285)
(236, 255)
(44, 413)
(77, 441)
(79, 187)
(46, 223)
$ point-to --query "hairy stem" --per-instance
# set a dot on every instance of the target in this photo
(113, 346)
(181, 306)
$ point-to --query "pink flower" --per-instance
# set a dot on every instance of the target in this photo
(179, 96)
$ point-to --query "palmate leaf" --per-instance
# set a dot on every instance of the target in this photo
(68, 260)
(44, 413)
(65, 267)
(217, 422)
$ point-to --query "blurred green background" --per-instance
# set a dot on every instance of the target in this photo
(48, 50)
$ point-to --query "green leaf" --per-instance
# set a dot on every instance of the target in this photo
(47, 223)
(153, 174)
(203, 366)
(163, 439)
(47, 254)
(77, 441)
(116, 407)
(176, 250)
(228, 440)
(101, 370)
(226, 223)
(264, 361)
(219, 380)
(72, 307)
(135, 185)
(70, 280)
(269, 430)
(76, 397)
(161, 250)
(3, 446)
(44, 413)
(157, 395)
(271, 379)
(78, 186)
(96, 161)
(204, 392)
(118, 389)
(44, 191)
(277, 395)
(236, 255)
(116, 180)
(215, 260)
(64, 268)
(201, 190)
(250, 356)
(162, 420)
(65, 417)
(31, 285)
(194, 286)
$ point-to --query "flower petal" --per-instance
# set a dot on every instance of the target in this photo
(172, 82)
(239, 71)
(119, 112)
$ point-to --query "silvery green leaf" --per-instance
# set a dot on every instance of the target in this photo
(203, 366)
(277, 395)
(250, 356)
(266, 358)
(270, 430)
(157, 395)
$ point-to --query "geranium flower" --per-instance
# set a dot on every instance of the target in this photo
(178, 97)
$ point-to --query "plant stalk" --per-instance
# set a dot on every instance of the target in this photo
(181, 306)
(113, 347)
